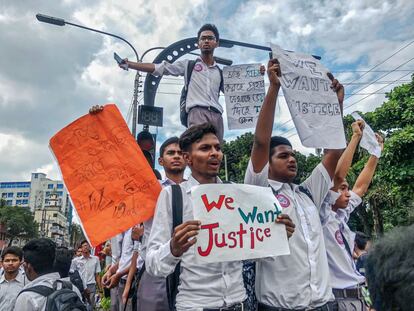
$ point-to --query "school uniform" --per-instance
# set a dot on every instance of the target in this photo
(31, 301)
(10, 289)
(152, 291)
(88, 267)
(299, 280)
(346, 281)
(202, 286)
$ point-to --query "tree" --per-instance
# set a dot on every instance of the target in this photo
(18, 221)
(76, 235)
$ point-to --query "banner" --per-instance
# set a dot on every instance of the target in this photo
(108, 178)
(244, 93)
(237, 223)
(313, 105)
(369, 140)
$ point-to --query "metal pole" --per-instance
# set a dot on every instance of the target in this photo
(225, 168)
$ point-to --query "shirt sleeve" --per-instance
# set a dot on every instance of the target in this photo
(159, 261)
(354, 201)
(24, 302)
(165, 68)
(326, 208)
(97, 266)
(318, 184)
(257, 179)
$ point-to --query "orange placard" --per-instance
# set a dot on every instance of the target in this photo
(108, 178)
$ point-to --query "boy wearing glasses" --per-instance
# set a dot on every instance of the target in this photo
(202, 101)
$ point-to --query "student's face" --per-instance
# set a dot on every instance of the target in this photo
(78, 252)
(29, 271)
(207, 41)
(282, 166)
(11, 263)
(205, 156)
(172, 159)
(343, 200)
(85, 248)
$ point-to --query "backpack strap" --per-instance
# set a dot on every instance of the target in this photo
(221, 81)
(307, 192)
(64, 284)
(189, 72)
(39, 289)
(177, 214)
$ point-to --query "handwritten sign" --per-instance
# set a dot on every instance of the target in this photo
(109, 180)
(368, 141)
(237, 223)
(244, 93)
(313, 105)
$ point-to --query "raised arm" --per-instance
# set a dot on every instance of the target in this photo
(365, 177)
(264, 126)
(145, 67)
(345, 160)
(331, 156)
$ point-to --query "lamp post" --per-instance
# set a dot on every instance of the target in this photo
(61, 22)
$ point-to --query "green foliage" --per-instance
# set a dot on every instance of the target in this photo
(18, 221)
(389, 202)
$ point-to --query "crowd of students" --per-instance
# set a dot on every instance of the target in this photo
(151, 267)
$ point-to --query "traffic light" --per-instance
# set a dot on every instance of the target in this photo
(147, 142)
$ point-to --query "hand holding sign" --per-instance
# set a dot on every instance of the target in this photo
(369, 140)
(273, 72)
(184, 237)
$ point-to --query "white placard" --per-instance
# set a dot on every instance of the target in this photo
(368, 141)
(244, 92)
(313, 105)
(237, 223)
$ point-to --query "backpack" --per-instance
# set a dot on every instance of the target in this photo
(62, 299)
(183, 98)
(174, 278)
(76, 280)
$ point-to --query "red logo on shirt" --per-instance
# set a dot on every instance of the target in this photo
(198, 67)
(283, 200)
(338, 237)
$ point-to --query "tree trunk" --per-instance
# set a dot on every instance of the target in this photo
(378, 221)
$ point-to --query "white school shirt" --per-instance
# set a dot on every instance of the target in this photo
(341, 265)
(87, 268)
(10, 289)
(299, 280)
(31, 301)
(204, 86)
(203, 285)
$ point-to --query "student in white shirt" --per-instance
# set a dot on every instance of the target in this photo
(202, 102)
(340, 202)
(214, 286)
(152, 291)
(88, 267)
(13, 278)
(299, 280)
(38, 259)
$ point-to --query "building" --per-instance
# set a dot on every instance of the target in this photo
(47, 199)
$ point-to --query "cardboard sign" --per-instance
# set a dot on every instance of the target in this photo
(313, 105)
(244, 92)
(109, 180)
(237, 223)
(368, 141)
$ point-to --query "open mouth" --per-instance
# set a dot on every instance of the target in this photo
(292, 168)
(214, 164)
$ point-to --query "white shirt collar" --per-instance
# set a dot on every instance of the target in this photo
(199, 59)
(191, 182)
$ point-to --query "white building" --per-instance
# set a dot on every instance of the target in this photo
(47, 199)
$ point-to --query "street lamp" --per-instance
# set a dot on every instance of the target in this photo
(61, 22)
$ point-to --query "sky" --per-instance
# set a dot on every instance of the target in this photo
(51, 75)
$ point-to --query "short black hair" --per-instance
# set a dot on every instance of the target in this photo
(390, 270)
(83, 242)
(195, 133)
(148, 157)
(13, 250)
(276, 141)
(361, 239)
(210, 27)
(166, 143)
(40, 253)
(63, 260)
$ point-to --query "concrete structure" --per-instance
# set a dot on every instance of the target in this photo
(47, 199)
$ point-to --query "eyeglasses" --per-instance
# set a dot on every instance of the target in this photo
(208, 38)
